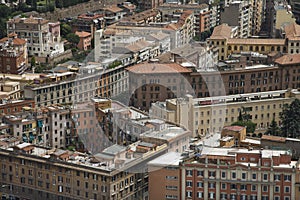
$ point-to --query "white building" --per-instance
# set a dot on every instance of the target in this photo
(43, 38)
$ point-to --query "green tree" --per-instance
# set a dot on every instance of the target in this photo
(273, 129)
(290, 117)
(73, 39)
(244, 119)
(32, 62)
(65, 29)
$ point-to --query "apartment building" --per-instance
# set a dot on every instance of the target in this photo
(43, 37)
(223, 39)
(292, 34)
(85, 40)
(8, 107)
(209, 115)
(145, 5)
(238, 13)
(148, 83)
(38, 173)
(201, 13)
(115, 172)
(257, 16)
(223, 173)
(13, 55)
(112, 14)
(282, 16)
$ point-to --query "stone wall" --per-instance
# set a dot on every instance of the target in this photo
(74, 11)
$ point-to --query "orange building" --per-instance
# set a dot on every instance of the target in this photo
(85, 40)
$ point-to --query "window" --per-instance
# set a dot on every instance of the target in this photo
(200, 184)
(171, 187)
(189, 173)
(265, 188)
(223, 174)
(233, 186)
(265, 177)
(287, 189)
(253, 187)
(233, 175)
(189, 194)
(254, 176)
(277, 177)
(212, 195)
(200, 194)
(244, 176)
(243, 187)
(287, 177)
(171, 177)
(223, 186)
(211, 174)
(277, 189)
(189, 183)
(211, 185)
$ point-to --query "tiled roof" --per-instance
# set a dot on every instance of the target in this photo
(113, 9)
(273, 138)
(222, 31)
(234, 128)
(292, 31)
(137, 46)
(156, 68)
(30, 20)
(82, 34)
(16, 41)
(245, 41)
(288, 59)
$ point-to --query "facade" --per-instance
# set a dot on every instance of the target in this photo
(239, 13)
(11, 107)
(209, 115)
(239, 174)
(85, 40)
(43, 38)
(145, 5)
(13, 55)
(282, 16)
(292, 33)
(147, 83)
(112, 14)
(227, 44)
(223, 173)
(201, 13)
(257, 16)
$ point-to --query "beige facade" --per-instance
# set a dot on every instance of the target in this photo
(208, 115)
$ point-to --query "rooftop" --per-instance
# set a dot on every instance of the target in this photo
(222, 31)
(157, 68)
(290, 59)
(234, 128)
(168, 159)
(249, 41)
(83, 34)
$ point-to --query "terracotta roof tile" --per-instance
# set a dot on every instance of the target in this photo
(157, 68)
(292, 31)
(113, 8)
(83, 34)
(234, 128)
(222, 31)
(273, 138)
(16, 41)
(245, 41)
(288, 59)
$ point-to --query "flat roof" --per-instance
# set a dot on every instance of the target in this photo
(168, 159)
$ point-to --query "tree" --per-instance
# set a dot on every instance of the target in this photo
(290, 117)
(65, 29)
(273, 129)
(32, 62)
(73, 39)
(244, 119)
